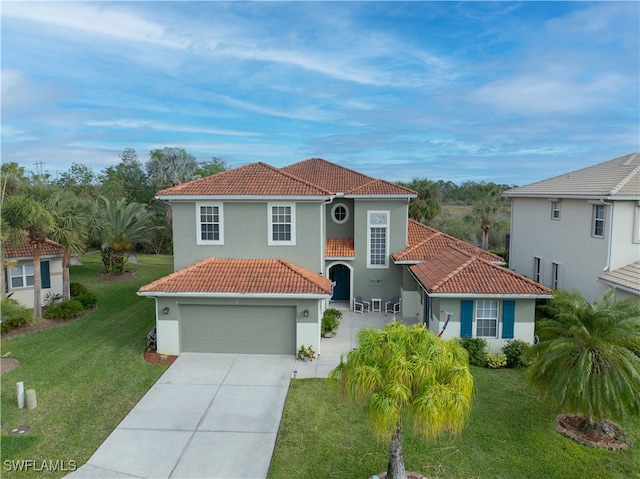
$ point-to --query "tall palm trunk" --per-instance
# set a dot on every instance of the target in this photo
(395, 469)
(37, 281)
(66, 287)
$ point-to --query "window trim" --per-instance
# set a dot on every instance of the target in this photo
(555, 210)
(556, 274)
(270, 223)
(477, 318)
(199, 240)
(537, 269)
(387, 228)
(595, 221)
(333, 213)
(22, 275)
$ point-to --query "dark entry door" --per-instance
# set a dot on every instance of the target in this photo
(340, 274)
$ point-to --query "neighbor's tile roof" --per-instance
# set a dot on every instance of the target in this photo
(627, 277)
(255, 179)
(25, 250)
(619, 177)
(426, 242)
(339, 179)
(454, 271)
(339, 248)
(241, 276)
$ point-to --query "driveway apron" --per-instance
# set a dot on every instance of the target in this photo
(209, 416)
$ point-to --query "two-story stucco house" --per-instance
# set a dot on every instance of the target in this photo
(581, 230)
(259, 253)
(19, 279)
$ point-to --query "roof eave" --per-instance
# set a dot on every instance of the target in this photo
(185, 294)
(489, 295)
(243, 197)
(574, 197)
(619, 286)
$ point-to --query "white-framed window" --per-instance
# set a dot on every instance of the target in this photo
(340, 213)
(636, 225)
(22, 275)
(556, 272)
(377, 239)
(209, 223)
(282, 224)
(537, 269)
(555, 210)
(597, 228)
(487, 318)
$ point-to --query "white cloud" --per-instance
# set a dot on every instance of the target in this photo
(155, 125)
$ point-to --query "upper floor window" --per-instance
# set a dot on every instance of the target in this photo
(209, 223)
(598, 221)
(340, 213)
(22, 275)
(378, 239)
(282, 228)
(555, 210)
(555, 276)
(537, 269)
(487, 318)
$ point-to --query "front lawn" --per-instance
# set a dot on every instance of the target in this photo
(509, 435)
(87, 374)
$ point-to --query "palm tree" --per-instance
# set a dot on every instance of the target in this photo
(171, 166)
(587, 359)
(425, 207)
(486, 207)
(120, 226)
(72, 216)
(29, 210)
(400, 370)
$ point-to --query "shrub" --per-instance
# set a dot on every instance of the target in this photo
(14, 315)
(88, 300)
(496, 361)
(77, 289)
(476, 347)
(65, 310)
(52, 298)
(514, 350)
(331, 320)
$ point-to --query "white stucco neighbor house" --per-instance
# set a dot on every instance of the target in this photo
(260, 253)
(19, 279)
(580, 230)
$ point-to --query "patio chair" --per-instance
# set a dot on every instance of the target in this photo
(360, 305)
(393, 305)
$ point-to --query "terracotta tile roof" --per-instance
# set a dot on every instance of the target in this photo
(240, 276)
(339, 179)
(339, 248)
(25, 250)
(255, 179)
(627, 277)
(619, 177)
(454, 271)
(426, 242)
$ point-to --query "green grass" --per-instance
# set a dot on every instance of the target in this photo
(509, 435)
(87, 374)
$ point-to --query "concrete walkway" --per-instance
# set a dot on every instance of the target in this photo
(215, 416)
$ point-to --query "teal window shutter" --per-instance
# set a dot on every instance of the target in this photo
(45, 274)
(508, 318)
(466, 318)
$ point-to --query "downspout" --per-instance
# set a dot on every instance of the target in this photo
(610, 233)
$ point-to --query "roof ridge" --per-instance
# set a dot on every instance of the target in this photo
(626, 179)
(296, 178)
(380, 180)
(454, 273)
(297, 270)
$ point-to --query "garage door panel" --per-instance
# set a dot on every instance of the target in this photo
(238, 329)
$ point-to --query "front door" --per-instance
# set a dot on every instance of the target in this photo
(340, 274)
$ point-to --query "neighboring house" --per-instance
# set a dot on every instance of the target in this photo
(259, 253)
(20, 277)
(581, 230)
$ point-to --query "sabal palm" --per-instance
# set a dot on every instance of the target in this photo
(29, 210)
(485, 209)
(588, 359)
(72, 216)
(405, 371)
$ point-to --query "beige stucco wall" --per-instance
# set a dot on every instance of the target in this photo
(24, 295)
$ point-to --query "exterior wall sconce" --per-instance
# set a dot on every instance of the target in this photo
(306, 313)
(165, 310)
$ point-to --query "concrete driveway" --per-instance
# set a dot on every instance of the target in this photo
(209, 416)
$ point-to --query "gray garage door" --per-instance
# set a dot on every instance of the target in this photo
(238, 329)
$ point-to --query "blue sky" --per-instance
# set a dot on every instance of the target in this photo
(511, 92)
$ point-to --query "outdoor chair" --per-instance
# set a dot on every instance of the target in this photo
(393, 305)
(360, 305)
(152, 339)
